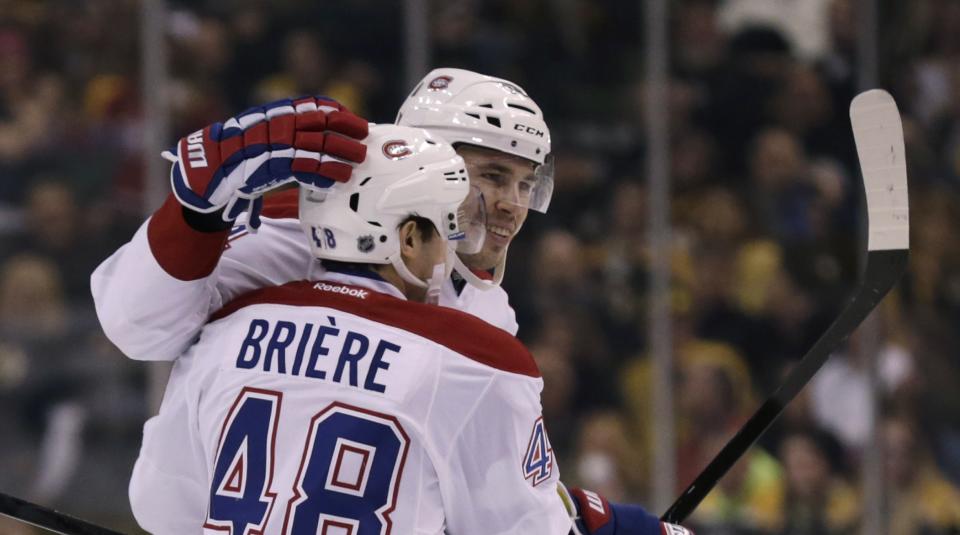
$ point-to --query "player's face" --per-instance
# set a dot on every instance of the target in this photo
(506, 182)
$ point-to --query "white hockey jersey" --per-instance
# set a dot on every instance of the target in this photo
(339, 407)
(155, 293)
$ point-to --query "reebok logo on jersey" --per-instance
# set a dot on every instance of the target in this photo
(196, 154)
(352, 292)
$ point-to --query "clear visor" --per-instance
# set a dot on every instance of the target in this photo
(535, 193)
(541, 191)
(530, 193)
(471, 222)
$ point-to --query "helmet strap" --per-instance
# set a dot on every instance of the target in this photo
(433, 285)
(401, 267)
(501, 269)
(471, 278)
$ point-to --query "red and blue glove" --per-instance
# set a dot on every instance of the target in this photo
(229, 166)
(594, 515)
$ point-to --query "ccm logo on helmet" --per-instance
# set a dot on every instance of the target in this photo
(396, 149)
(528, 129)
(352, 292)
(440, 82)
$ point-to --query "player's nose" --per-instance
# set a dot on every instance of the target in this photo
(508, 200)
(507, 206)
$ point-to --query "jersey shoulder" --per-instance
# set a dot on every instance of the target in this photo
(457, 331)
(492, 305)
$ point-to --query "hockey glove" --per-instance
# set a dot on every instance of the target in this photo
(594, 515)
(229, 166)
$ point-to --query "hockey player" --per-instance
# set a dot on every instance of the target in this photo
(344, 405)
(152, 310)
(154, 295)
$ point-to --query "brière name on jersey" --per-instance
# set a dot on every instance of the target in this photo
(318, 350)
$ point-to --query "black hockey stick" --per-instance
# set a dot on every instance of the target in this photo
(878, 134)
(48, 519)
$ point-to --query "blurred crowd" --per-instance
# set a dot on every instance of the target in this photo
(766, 214)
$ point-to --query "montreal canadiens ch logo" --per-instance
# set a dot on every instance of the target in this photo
(396, 149)
(440, 82)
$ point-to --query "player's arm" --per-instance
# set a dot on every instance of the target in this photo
(153, 295)
(501, 476)
(499, 473)
(592, 514)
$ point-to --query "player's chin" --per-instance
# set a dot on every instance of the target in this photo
(485, 260)
(494, 251)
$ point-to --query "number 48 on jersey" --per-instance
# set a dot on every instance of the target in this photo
(347, 479)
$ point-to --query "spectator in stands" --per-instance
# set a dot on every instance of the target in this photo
(557, 366)
(606, 457)
(54, 227)
(29, 100)
(840, 392)
(818, 500)
(305, 67)
(39, 336)
(921, 501)
(717, 397)
(779, 196)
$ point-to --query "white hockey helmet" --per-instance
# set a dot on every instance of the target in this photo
(466, 107)
(407, 172)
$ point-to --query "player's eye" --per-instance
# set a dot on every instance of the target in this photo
(496, 178)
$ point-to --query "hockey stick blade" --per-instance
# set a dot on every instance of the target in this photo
(878, 134)
(48, 519)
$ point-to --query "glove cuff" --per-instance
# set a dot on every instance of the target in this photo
(594, 513)
(635, 519)
(597, 516)
(206, 223)
(182, 251)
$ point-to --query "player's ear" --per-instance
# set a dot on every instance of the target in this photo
(409, 238)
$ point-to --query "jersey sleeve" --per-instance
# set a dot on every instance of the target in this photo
(500, 475)
(155, 293)
(498, 309)
(168, 488)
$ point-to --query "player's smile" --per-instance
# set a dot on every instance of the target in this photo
(500, 233)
